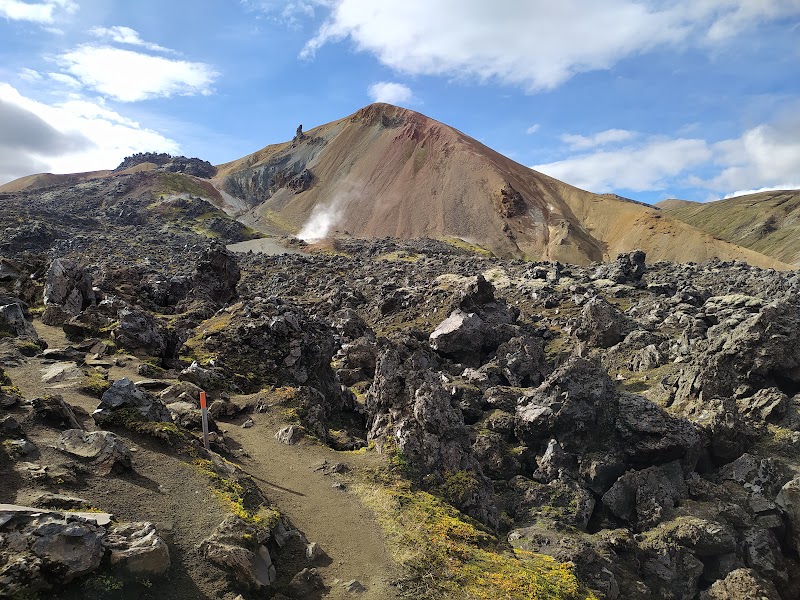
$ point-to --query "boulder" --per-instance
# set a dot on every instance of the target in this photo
(767, 405)
(758, 475)
(646, 434)
(238, 547)
(216, 274)
(139, 332)
(763, 555)
(629, 267)
(136, 549)
(68, 287)
(760, 352)
(189, 416)
(459, 336)
(13, 322)
(522, 361)
(563, 500)
(644, 498)
(106, 451)
(42, 550)
(183, 390)
(55, 412)
(789, 500)
(495, 457)
(411, 412)
(289, 435)
(204, 379)
(574, 404)
(601, 324)
(741, 584)
(306, 583)
(61, 372)
(555, 463)
(123, 394)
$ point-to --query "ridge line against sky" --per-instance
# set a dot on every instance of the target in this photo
(697, 99)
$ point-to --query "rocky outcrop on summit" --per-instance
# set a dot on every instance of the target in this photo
(169, 163)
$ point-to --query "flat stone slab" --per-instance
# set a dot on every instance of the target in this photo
(100, 519)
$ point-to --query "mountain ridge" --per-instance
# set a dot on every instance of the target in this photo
(386, 171)
(767, 222)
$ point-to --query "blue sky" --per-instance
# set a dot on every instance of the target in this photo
(696, 99)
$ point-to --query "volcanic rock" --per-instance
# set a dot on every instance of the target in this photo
(106, 451)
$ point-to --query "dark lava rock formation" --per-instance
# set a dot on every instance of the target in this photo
(639, 420)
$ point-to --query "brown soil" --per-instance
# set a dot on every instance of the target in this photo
(166, 489)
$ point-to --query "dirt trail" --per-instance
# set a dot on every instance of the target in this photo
(334, 518)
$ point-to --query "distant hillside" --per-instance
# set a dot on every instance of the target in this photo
(389, 171)
(767, 222)
(386, 171)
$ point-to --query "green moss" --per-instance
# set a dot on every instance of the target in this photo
(408, 257)
(178, 183)
(195, 347)
(450, 556)
(458, 487)
(175, 436)
(95, 384)
(462, 244)
(232, 494)
(28, 348)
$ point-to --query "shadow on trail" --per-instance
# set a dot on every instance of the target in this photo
(275, 485)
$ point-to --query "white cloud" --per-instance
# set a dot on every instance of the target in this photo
(610, 136)
(776, 188)
(125, 35)
(763, 157)
(29, 74)
(37, 12)
(390, 92)
(130, 76)
(534, 44)
(67, 80)
(72, 136)
(532, 129)
(645, 167)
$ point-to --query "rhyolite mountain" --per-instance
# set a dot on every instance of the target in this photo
(386, 171)
(389, 171)
(767, 222)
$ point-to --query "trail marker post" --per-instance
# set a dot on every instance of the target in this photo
(204, 413)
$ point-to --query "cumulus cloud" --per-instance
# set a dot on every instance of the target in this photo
(763, 157)
(535, 44)
(610, 136)
(130, 76)
(390, 92)
(72, 136)
(44, 13)
(645, 167)
(126, 35)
